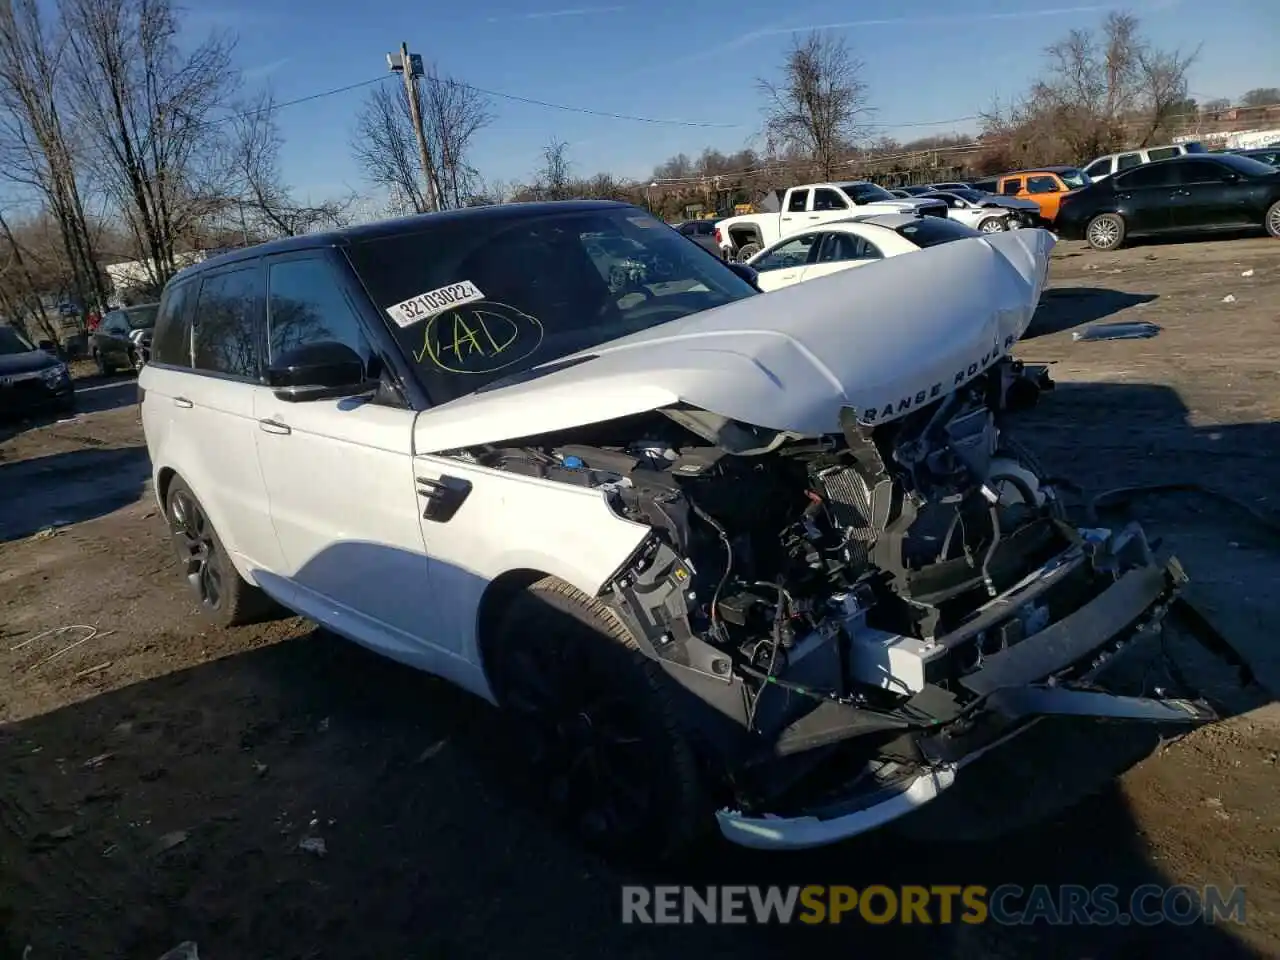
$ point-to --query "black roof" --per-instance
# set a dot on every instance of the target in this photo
(398, 226)
(1047, 168)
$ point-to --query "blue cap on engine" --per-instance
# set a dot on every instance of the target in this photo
(572, 463)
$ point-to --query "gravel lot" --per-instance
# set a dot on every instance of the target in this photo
(159, 776)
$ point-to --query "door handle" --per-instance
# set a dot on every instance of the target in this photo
(813, 216)
(444, 497)
(274, 426)
(183, 402)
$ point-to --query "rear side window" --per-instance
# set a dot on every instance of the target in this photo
(986, 186)
(1146, 176)
(171, 344)
(1163, 153)
(225, 330)
(1127, 161)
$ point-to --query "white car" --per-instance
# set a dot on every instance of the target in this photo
(689, 537)
(984, 212)
(850, 243)
(805, 207)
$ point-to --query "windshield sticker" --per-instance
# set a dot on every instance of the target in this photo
(433, 302)
(480, 338)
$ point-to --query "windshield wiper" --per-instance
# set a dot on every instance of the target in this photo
(535, 372)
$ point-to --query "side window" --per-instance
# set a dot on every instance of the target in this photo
(1127, 161)
(1198, 171)
(1099, 168)
(171, 342)
(1011, 187)
(1042, 185)
(224, 337)
(799, 200)
(824, 199)
(792, 253)
(307, 304)
(688, 229)
(986, 186)
(841, 247)
(1163, 153)
(1145, 176)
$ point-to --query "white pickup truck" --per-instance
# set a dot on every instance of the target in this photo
(808, 206)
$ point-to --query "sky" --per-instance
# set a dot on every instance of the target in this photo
(688, 60)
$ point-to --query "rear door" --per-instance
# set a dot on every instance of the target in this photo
(339, 473)
(1146, 197)
(839, 251)
(214, 417)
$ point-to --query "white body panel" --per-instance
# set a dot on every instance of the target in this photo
(886, 241)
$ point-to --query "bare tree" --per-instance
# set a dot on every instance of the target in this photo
(386, 147)
(1100, 92)
(259, 193)
(36, 138)
(552, 181)
(817, 107)
(147, 103)
(1261, 97)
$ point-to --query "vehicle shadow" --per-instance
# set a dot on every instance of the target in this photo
(93, 395)
(173, 808)
(1064, 308)
(66, 488)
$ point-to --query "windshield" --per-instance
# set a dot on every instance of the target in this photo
(142, 318)
(11, 341)
(1246, 165)
(1074, 179)
(965, 193)
(865, 192)
(479, 299)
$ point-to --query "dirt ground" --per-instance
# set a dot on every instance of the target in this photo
(158, 775)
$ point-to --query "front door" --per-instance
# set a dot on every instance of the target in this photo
(339, 474)
(1046, 190)
(785, 263)
(1204, 198)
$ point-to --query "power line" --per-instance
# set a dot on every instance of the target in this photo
(290, 103)
(594, 113)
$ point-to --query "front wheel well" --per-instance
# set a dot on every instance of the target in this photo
(493, 607)
(163, 479)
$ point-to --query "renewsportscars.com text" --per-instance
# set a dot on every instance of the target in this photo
(1008, 904)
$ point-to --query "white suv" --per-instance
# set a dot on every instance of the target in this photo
(689, 537)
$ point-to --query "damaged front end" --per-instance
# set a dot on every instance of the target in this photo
(854, 617)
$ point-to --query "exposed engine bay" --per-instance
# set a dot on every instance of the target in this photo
(865, 591)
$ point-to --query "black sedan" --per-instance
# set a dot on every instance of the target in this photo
(123, 339)
(31, 377)
(1189, 194)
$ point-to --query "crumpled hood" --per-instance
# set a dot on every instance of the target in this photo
(883, 339)
(1013, 203)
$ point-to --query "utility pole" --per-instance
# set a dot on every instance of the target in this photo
(410, 65)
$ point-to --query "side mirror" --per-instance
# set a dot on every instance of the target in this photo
(48, 346)
(749, 274)
(318, 371)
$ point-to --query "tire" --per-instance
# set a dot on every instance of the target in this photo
(992, 225)
(225, 597)
(603, 751)
(1105, 231)
(747, 251)
(1272, 220)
